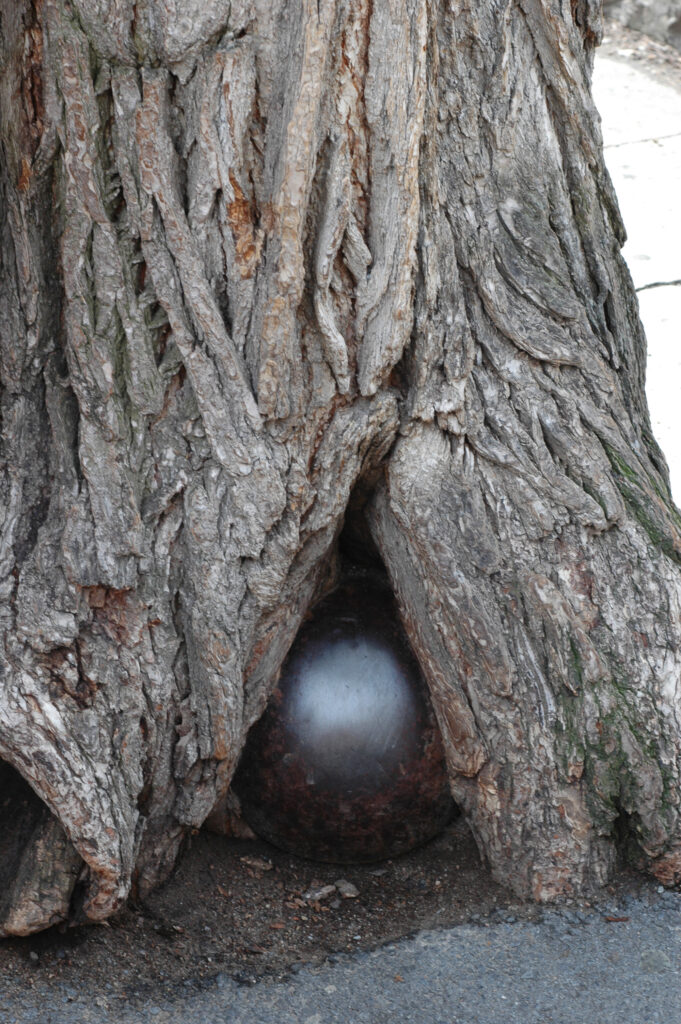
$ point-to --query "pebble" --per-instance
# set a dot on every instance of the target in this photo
(321, 893)
(347, 890)
(257, 863)
(33, 956)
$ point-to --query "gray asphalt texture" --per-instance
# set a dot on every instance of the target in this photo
(612, 964)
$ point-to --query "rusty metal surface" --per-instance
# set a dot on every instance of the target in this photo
(346, 763)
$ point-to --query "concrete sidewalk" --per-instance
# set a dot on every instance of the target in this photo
(642, 137)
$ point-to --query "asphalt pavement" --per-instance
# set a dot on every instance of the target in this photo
(610, 965)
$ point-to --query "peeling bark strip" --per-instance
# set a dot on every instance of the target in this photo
(258, 256)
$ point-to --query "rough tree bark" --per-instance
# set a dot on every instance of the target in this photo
(263, 261)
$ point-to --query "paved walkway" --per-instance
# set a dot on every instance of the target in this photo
(642, 136)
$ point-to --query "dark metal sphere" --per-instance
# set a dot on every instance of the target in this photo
(346, 764)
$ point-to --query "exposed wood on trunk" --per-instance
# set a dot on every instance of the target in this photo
(254, 256)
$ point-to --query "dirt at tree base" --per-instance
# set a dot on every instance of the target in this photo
(246, 909)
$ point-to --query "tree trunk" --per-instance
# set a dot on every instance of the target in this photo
(264, 262)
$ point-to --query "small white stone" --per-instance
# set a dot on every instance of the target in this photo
(347, 890)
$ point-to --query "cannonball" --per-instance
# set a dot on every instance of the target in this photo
(346, 763)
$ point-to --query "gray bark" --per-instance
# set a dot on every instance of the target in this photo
(258, 258)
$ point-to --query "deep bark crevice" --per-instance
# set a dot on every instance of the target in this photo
(282, 787)
(21, 811)
(38, 866)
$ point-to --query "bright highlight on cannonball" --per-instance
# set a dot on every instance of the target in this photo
(346, 763)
